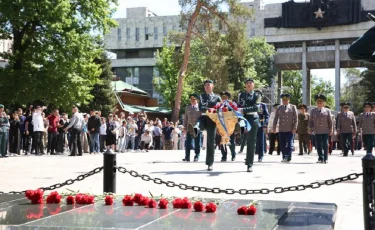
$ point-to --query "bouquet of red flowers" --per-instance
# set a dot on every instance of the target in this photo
(224, 106)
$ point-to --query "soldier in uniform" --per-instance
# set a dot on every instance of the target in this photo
(346, 127)
(302, 130)
(224, 152)
(321, 124)
(330, 138)
(250, 103)
(273, 137)
(207, 100)
(263, 123)
(286, 115)
(367, 127)
(191, 116)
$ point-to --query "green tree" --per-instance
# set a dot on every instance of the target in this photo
(354, 91)
(206, 17)
(102, 92)
(368, 82)
(320, 86)
(292, 81)
(54, 47)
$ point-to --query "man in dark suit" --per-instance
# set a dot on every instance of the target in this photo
(262, 129)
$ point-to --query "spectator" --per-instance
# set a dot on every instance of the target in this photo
(93, 126)
(167, 136)
(146, 141)
(14, 134)
(53, 122)
(76, 123)
(38, 127)
(4, 124)
(131, 133)
(122, 137)
(111, 133)
(157, 132)
(103, 134)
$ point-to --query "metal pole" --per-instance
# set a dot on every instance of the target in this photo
(368, 166)
(109, 171)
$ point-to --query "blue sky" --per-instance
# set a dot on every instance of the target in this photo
(171, 7)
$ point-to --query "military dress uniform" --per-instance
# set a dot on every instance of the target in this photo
(303, 132)
(286, 115)
(250, 103)
(207, 101)
(332, 137)
(346, 126)
(263, 123)
(367, 128)
(321, 124)
(191, 116)
(273, 136)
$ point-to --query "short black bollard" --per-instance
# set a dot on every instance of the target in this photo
(109, 171)
(368, 166)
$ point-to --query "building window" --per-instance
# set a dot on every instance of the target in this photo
(128, 34)
(137, 34)
(252, 32)
(174, 27)
(156, 33)
(118, 34)
(146, 33)
(165, 31)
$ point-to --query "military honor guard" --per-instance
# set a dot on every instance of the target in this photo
(192, 113)
(273, 136)
(224, 152)
(331, 138)
(262, 130)
(286, 115)
(321, 124)
(207, 100)
(367, 127)
(346, 127)
(249, 102)
(303, 130)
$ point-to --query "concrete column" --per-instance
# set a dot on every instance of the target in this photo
(279, 85)
(337, 75)
(304, 74)
(308, 88)
(272, 88)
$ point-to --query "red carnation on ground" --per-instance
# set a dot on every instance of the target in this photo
(35, 196)
(144, 201)
(186, 203)
(163, 203)
(242, 210)
(151, 203)
(211, 207)
(54, 198)
(70, 200)
(251, 210)
(128, 200)
(198, 206)
(84, 199)
(90, 199)
(108, 200)
(177, 203)
(138, 198)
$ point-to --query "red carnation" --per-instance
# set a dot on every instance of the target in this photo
(225, 109)
(137, 198)
(211, 207)
(70, 200)
(177, 203)
(128, 200)
(90, 199)
(163, 203)
(251, 210)
(144, 201)
(198, 206)
(151, 203)
(242, 210)
(186, 203)
(54, 198)
(108, 200)
(29, 194)
(80, 199)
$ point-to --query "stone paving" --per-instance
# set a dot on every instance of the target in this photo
(30, 172)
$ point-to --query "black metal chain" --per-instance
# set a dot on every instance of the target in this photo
(67, 182)
(301, 187)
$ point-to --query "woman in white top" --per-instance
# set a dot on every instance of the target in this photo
(146, 141)
(175, 137)
(122, 137)
(131, 132)
(102, 134)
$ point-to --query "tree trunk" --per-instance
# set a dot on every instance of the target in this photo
(185, 61)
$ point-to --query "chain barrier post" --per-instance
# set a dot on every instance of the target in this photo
(368, 166)
(109, 171)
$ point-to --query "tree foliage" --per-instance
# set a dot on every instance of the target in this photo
(355, 89)
(54, 47)
(102, 92)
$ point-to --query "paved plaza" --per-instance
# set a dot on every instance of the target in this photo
(31, 172)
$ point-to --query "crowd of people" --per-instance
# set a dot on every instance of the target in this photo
(32, 132)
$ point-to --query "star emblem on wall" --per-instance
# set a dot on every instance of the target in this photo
(319, 13)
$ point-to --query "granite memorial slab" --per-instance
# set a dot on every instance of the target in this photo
(18, 213)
